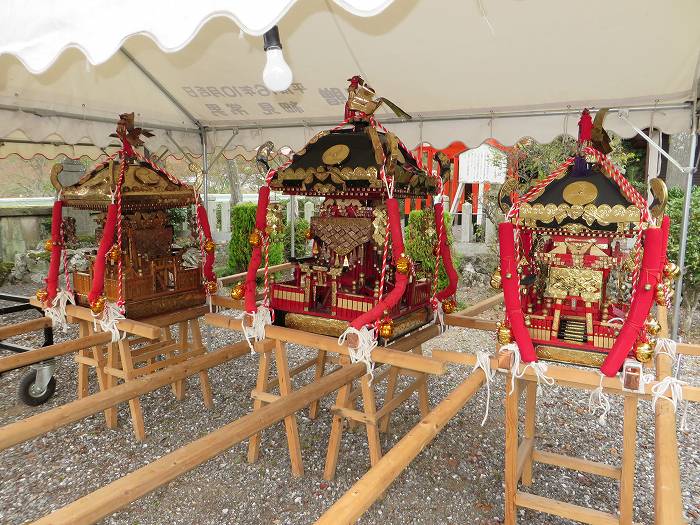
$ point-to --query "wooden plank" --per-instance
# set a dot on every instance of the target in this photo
(565, 510)
(377, 479)
(688, 349)
(24, 327)
(58, 417)
(511, 453)
(480, 307)
(410, 361)
(265, 397)
(370, 409)
(240, 277)
(272, 383)
(265, 358)
(629, 445)
(179, 316)
(471, 322)
(529, 433)
(115, 495)
(336, 427)
(126, 325)
(579, 464)
(587, 379)
(48, 352)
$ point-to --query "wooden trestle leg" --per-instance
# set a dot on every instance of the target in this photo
(320, 370)
(342, 400)
(511, 455)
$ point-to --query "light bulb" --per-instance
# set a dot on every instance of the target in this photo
(277, 75)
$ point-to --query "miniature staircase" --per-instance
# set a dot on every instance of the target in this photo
(572, 330)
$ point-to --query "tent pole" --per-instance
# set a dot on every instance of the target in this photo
(180, 149)
(205, 166)
(653, 143)
(292, 219)
(221, 152)
(684, 225)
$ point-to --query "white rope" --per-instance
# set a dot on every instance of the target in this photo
(57, 311)
(256, 331)
(599, 400)
(676, 385)
(108, 321)
(367, 341)
(540, 369)
(483, 361)
(666, 346)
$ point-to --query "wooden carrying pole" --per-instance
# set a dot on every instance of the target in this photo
(34, 426)
(123, 491)
(24, 327)
(47, 352)
(377, 479)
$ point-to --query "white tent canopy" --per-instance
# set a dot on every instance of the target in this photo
(466, 70)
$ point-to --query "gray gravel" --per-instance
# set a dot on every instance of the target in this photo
(456, 479)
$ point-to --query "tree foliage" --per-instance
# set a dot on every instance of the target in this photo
(239, 251)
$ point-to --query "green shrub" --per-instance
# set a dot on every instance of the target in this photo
(421, 238)
(242, 223)
(5, 269)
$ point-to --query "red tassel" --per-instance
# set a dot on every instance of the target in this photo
(394, 296)
(55, 263)
(106, 242)
(585, 125)
(446, 255)
(256, 255)
(654, 253)
(208, 266)
(511, 292)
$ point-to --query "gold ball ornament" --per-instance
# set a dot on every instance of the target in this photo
(114, 253)
(42, 295)
(98, 305)
(671, 270)
(309, 235)
(660, 294)
(496, 279)
(209, 246)
(237, 292)
(48, 245)
(211, 287)
(643, 352)
(503, 334)
(255, 239)
(653, 327)
(403, 264)
(386, 329)
(449, 306)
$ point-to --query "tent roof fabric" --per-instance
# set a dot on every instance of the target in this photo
(443, 61)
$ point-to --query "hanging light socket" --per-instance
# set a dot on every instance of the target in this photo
(277, 75)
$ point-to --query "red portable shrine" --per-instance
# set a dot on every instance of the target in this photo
(358, 274)
(136, 271)
(582, 258)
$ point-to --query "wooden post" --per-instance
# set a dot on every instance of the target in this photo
(260, 386)
(511, 453)
(370, 409)
(290, 421)
(336, 434)
(668, 503)
(115, 495)
(320, 370)
(530, 421)
(373, 484)
(629, 444)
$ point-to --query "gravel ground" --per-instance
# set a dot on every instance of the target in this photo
(456, 479)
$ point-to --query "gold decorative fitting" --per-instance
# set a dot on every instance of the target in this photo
(48, 245)
(449, 306)
(209, 246)
(403, 264)
(308, 234)
(98, 305)
(653, 326)
(386, 329)
(603, 214)
(335, 154)
(657, 187)
(503, 334)
(42, 295)
(647, 287)
(580, 192)
(643, 352)
(255, 239)
(671, 270)
(580, 282)
(237, 292)
(496, 279)
(114, 253)
(212, 287)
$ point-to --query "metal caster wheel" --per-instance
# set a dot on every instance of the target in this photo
(32, 393)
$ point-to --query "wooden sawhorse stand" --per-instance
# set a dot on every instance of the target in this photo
(120, 360)
(375, 421)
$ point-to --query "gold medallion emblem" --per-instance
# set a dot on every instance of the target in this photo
(335, 154)
(580, 192)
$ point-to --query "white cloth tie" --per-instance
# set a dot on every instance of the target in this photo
(256, 331)
(599, 400)
(367, 341)
(676, 386)
(57, 311)
(540, 369)
(483, 361)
